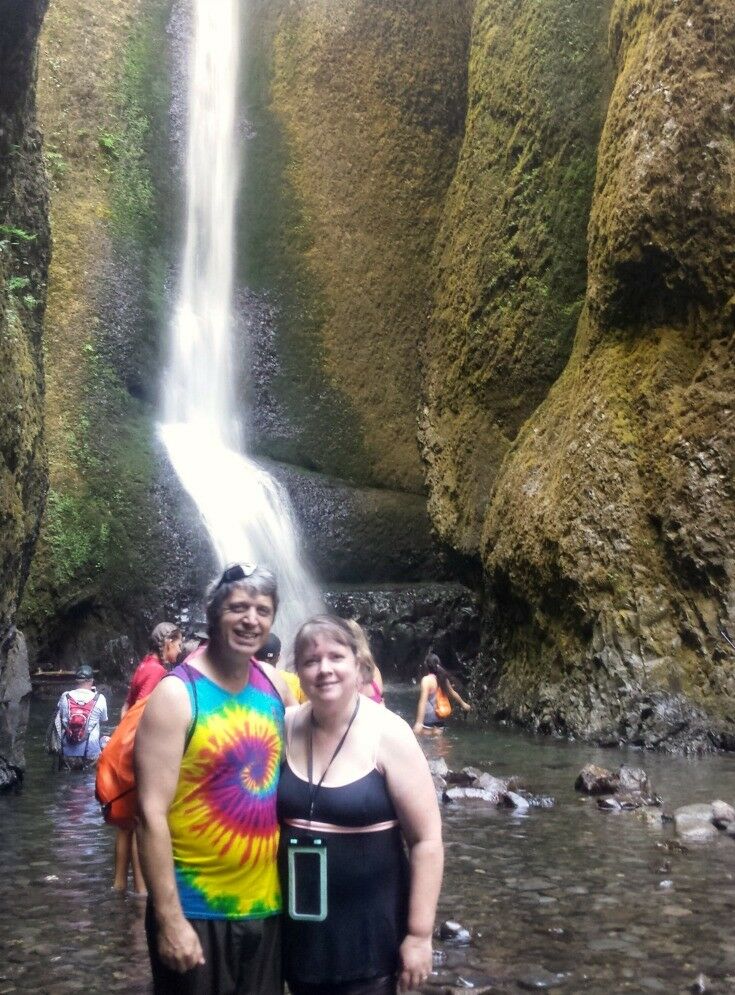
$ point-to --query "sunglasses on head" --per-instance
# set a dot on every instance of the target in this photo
(238, 571)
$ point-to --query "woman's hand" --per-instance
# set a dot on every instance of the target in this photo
(416, 962)
(418, 728)
(466, 707)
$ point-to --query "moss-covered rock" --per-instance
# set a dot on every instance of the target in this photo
(510, 266)
(24, 255)
(609, 537)
(357, 111)
(115, 552)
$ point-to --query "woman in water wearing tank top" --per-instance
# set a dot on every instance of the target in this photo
(355, 794)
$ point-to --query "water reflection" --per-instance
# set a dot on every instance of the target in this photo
(586, 901)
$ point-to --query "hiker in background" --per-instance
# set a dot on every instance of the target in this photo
(270, 652)
(164, 647)
(194, 643)
(436, 693)
(371, 679)
(78, 717)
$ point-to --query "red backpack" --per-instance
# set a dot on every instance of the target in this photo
(76, 725)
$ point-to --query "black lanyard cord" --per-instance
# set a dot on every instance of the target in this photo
(314, 788)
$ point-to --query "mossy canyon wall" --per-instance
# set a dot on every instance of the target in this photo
(24, 256)
(486, 260)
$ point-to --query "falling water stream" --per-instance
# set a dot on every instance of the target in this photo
(246, 512)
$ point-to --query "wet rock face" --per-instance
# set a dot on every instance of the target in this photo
(608, 535)
(15, 689)
(366, 107)
(355, 535)
(24, 256)
(510, 258)
(404, 621)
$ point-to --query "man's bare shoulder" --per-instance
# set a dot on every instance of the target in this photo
(168, 702)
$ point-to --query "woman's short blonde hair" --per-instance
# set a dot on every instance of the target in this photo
(345, 632)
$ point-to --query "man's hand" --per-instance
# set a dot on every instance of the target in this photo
(179, 945)
(416, 963)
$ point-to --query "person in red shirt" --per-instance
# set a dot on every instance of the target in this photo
(165, 646)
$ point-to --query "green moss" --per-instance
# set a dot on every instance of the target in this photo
(323, 430)
(511, 254)
(101, 530)
(368, 98)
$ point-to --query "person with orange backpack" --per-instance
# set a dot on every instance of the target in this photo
(164, 648)
(79, 714)
(436, 693)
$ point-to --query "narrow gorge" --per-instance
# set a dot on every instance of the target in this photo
(484, 287)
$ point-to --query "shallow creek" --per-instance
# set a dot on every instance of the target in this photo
(569, 898)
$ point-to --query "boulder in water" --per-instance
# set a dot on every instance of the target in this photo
(594, 780)
(453, 932)
(633, 780)
(694, 823)
(11, 777)
(723, 815)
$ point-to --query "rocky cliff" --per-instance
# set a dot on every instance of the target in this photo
(24, 256)
(357, 111)
(116, 549)
(607, 530)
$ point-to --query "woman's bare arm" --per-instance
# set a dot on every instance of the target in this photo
(414, 798)
(458, 698)
(425, 689)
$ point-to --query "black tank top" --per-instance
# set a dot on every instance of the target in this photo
(367, 884)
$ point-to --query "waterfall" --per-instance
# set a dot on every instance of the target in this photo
(246, 512)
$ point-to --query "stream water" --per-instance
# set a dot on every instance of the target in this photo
(586, 901)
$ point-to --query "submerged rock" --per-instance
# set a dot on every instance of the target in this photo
(457, 794)
(539, 979)
(11, 777)
(454, 932)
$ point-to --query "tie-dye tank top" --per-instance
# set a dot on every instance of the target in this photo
(223, 823)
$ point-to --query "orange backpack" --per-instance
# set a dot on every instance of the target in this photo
(115, 787)
(442, 704)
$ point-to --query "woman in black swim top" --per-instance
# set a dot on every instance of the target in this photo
(355, 791)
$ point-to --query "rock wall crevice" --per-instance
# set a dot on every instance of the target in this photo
(613, 517)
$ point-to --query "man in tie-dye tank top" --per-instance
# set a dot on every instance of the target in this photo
(208, 753)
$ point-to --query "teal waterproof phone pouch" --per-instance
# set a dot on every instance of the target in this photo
(307, 878)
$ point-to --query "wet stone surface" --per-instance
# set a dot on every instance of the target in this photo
(568, 899)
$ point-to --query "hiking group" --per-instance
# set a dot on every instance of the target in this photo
(287, 824)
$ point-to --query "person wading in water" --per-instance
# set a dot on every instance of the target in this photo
(436, 693)
(361, 850)
(164, 648)
(78, 717)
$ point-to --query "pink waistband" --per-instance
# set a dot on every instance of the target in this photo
(328, 827)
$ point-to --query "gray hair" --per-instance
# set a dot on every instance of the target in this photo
(260, 581)
(163, 633)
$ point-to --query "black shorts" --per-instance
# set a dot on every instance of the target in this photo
(242, 957)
